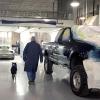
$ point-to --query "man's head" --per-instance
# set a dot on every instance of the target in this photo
(33, 38)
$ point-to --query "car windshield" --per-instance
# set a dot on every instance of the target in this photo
(58, 35)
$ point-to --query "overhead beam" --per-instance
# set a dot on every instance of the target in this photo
(28, 14)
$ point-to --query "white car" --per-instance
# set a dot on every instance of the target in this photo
(6, 52)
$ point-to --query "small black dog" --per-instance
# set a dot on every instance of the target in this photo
(14, 70)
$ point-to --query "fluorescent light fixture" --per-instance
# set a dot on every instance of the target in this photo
(75, 4)
(38, 17)
(46, 20)
(82, 18)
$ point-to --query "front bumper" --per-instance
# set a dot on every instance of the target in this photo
(92, 69)
(7, 56)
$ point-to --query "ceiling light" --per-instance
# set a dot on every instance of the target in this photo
(75, 4)
(46, 20)
(82, 18)
(38, 17)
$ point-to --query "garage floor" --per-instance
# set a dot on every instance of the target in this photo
(53, 87)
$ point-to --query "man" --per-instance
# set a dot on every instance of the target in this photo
(31, 55)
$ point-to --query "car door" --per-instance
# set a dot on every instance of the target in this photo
(54, 47)
(64, 46)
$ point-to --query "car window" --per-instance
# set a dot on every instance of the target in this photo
(58, 35)
(66, 35)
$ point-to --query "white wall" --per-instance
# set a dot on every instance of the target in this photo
(24, 39)
(53, 34)
(93, 20)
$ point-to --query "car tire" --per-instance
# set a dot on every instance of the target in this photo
(78, 81)
(48, 66)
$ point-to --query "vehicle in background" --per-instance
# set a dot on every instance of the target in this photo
(6, 52)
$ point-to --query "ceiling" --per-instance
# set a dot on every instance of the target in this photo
(59, 9)
(26, 5)
(26, 8)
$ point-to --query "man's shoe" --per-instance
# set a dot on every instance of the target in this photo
(31, 82)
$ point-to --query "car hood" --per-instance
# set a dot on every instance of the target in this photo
(89, 34)
(4, 51)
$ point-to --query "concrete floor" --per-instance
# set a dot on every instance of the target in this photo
(46, 87)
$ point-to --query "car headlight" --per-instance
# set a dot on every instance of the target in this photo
(12, 51)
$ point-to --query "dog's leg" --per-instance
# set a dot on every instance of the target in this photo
(13, 76)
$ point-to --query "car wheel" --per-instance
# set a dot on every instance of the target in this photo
(78, 81)
(48, 66)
